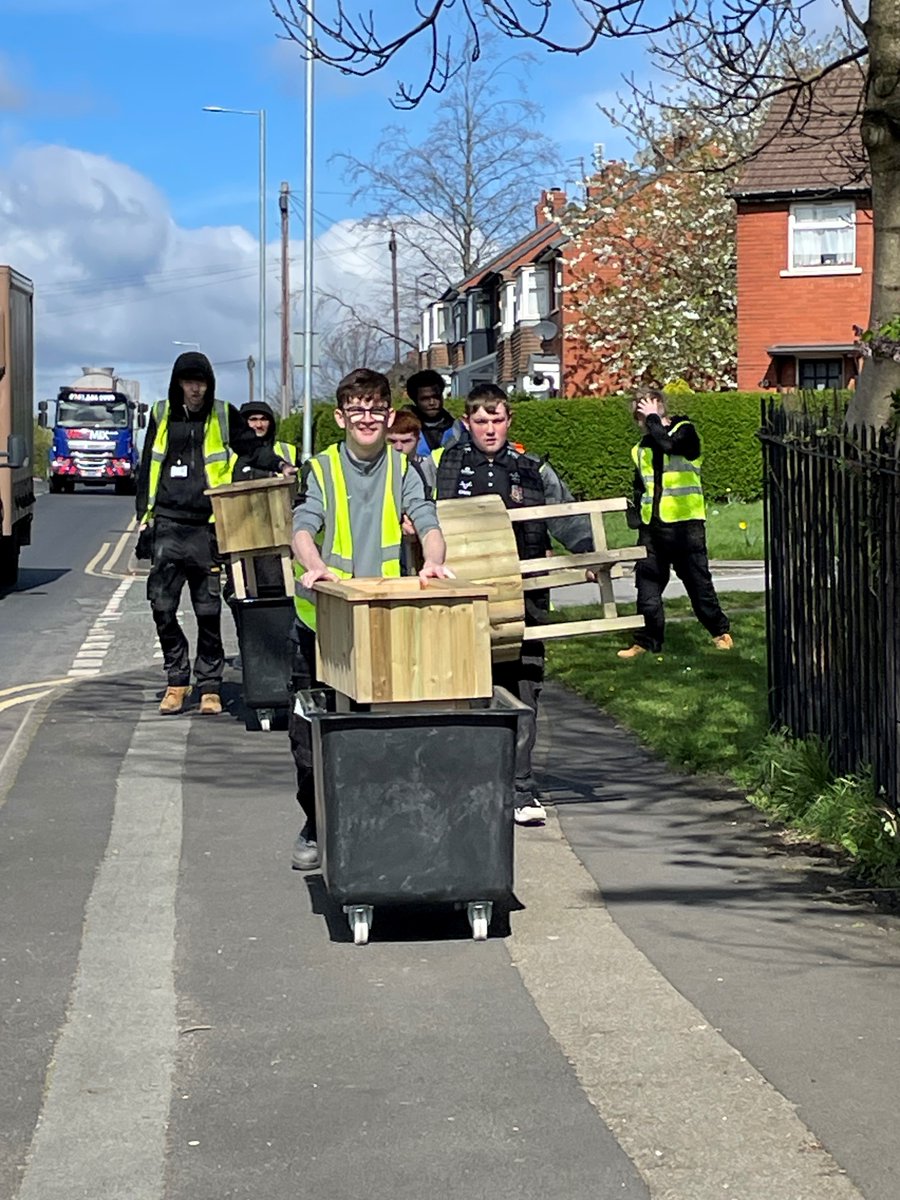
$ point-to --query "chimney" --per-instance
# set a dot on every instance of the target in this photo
(553, 199)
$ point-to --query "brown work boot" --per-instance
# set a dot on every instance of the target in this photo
(210, 704)
(632, 651)
(724, 642)
(173, 701)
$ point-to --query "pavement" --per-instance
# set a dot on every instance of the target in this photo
(728, 576)
(679, 1005)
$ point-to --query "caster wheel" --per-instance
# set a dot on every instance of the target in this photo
(480, 918)
(360, 919)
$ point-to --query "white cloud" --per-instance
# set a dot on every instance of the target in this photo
(117, 280)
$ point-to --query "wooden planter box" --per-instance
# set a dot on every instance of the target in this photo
(393, 640)
(254, 515)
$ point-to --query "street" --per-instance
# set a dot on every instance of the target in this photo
(673, 1008)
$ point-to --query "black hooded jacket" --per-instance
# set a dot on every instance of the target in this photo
(181, 498)
(245, 467)
(434, 427)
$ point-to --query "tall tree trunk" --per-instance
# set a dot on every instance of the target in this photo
(871, 404)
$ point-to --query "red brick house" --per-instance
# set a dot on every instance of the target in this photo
(494, 325)
(506, 323)
(804, 242)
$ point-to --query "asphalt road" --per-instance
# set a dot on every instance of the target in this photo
(182, 1017)
(45, 618)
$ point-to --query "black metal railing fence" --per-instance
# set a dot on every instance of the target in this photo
(832, 517)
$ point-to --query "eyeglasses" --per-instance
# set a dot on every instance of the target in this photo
(378, 412)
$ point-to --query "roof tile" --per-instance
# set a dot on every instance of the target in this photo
(810, 141)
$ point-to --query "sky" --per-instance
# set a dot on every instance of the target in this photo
(136, 213)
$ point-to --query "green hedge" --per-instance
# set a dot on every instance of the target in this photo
(589, 440)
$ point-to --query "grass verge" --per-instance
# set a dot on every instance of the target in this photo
(702, 709)
(734, 530)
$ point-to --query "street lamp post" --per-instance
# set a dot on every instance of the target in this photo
(260, 114)
(194, 345)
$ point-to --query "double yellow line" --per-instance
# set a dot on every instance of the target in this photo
(106, 571)
(25, 693)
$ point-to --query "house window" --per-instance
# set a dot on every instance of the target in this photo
(480, 317)
(820, 374)
(533, 293)
(441, 320)
(460, 324)
(822, 235)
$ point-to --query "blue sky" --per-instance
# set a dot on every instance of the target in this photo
(110, 171)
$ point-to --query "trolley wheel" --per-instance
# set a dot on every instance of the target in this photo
(480, 918)
(360, 918)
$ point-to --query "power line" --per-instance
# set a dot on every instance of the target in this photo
(116, 281)
(122, 302)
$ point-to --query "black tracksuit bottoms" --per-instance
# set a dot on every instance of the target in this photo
(524, 679)
(186, 553)
(678, 547)
(303, 676)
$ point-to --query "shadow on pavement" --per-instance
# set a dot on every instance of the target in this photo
(407, 923)
(661, 838)
(34, 577)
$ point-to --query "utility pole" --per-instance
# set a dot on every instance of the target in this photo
(251, 365)
(287, 399)
(395, 290)
(309, 129)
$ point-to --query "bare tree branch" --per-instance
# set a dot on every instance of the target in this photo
(364, 319)
(355, 46)
(468, 188)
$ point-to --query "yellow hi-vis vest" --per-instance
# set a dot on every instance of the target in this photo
(681, 498)
(336, 539)
(286, 452)
(217, 458)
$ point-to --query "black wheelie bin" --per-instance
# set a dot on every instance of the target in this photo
(264, 628)
(415, 807)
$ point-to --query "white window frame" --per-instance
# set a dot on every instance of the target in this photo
(508, 306)
(842, 213)
(532, 293)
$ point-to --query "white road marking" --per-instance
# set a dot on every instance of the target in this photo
(93, 650)
(102, 1128)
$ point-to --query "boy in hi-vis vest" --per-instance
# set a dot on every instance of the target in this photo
(348, 523)
(671, 517)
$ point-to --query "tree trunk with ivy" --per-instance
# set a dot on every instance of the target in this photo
(872, 401)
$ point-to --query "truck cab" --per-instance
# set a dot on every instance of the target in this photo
(94, 439)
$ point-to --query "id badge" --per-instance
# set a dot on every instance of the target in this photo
(178, 471)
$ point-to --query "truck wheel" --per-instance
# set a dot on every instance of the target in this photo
(54, 483)
(126, 487)
(69, 486)
(9, 560)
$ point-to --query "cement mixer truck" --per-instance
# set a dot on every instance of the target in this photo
(94, 423)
